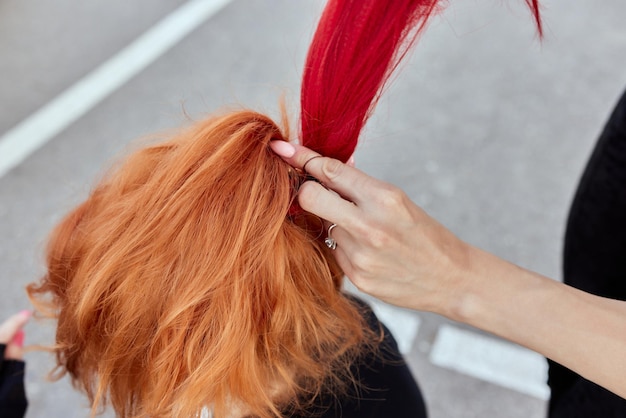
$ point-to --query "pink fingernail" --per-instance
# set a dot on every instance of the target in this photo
(283, 148)
(26, 313)
(18, 339)
(350, 161)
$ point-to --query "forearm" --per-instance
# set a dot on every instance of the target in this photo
(583, 332)
(392, 249)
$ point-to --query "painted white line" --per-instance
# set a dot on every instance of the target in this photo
(33, 132)
(489, 359)
(403, 325)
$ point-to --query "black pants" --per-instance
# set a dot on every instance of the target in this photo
(594, 260)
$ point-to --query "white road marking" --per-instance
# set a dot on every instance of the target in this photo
(33, 132)
(489, 359)
(481, 357)
(403, 324)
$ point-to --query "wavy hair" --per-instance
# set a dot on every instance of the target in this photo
(180, 283)
(186, 279)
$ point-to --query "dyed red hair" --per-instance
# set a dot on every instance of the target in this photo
(357, 46)
(183, 282)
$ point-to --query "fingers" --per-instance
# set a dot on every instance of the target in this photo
(15, 348)
(344, 246)
(343, 260)
(332, 173)
(10, 327)
(12, 335)
(287, 152)
(316, 199)
(346, 180)
(283, 148)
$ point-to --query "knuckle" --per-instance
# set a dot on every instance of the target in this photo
(377, 239)
(331, 169)
(392, 197)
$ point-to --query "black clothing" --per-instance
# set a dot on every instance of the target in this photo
(594, 260)
(12, 395)
(387, 387)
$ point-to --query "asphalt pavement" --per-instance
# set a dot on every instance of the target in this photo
(486, 127)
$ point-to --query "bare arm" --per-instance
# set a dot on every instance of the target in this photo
(585, 333)
(392, 249)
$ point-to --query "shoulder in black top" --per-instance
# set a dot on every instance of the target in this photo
(387, 388)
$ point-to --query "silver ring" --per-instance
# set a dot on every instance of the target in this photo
(330, 241)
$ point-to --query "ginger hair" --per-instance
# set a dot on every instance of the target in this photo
(183, 282)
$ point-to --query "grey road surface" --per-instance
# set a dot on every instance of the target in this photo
(485, 127)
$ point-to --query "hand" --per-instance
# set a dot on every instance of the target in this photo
(387, 246)
(12, 335)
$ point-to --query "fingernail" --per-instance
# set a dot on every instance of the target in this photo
(18, 339)
(350, 161)
(26, 313)
(283, 148)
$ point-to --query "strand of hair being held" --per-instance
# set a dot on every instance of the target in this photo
(356, 47)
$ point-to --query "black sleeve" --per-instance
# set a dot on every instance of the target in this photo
(12, 394)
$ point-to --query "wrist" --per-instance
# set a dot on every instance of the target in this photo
(458, 294)
(466, 299)
(486, 284)
(502, 298)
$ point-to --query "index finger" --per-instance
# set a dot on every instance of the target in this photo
(349, 182)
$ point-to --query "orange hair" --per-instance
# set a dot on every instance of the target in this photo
(182, 283)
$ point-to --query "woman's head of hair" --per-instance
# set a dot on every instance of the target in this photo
(182, 281)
